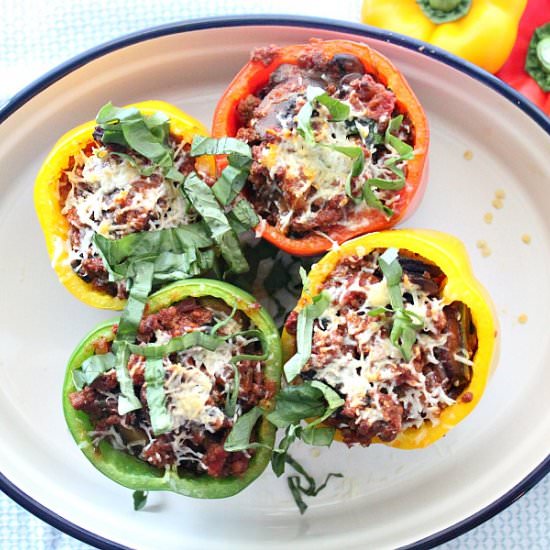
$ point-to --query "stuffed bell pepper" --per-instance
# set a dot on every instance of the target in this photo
(338, 142)
(156, 411)
(398, 326)
(125, 185)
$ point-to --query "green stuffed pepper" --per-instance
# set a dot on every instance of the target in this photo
(205, 354)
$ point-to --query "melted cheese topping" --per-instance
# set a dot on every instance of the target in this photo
(190, 380)
(317, 172)
(374, 366)
(105, 199)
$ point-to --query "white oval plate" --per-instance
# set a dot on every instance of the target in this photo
(387, 497)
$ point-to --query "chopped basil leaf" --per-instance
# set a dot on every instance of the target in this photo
(310, 489)
(393, 185)
(319, 437)
(338, 111)
(140, 499)
(405, 152)
(119, 254)
(393, 273)
(279, 456)
(239, 436)
(232, 178)
(358, 157)
(91, 368)
(140, 280)
(178, 343)
(304, 333)
(223, 322)
(332, 398)
(296, 403)
(242, 216)
(373, 201)
(405, 324)
(203, 200)
(127, 400)
(161, 421)
(229, 184)
(303, 122)
(224, 146)
(231, 403)
(147, 135)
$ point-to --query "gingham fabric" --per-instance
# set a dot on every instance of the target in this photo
(35, 36)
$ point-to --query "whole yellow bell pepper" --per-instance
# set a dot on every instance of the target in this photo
(47, 202)
(449, 254)
(481, 31)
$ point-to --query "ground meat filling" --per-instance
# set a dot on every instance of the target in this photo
(352, 352)
(197, 385)
(113, 191)
(300, 187)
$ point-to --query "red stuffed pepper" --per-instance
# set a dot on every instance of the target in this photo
(528, 67)
(338, 139)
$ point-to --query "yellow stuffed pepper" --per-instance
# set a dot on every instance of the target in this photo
(397, 324)
(481, 31)
(114, 176)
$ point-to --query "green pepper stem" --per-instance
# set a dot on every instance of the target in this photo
(543, 53)
(444, 5)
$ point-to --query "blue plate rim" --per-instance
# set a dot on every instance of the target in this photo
(422, 48)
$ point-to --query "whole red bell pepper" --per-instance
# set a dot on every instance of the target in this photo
(528, 67)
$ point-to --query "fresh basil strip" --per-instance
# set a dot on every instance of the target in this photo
(229, 184)
(357, 155)
(127, 400)
(405, 324)
(231, 403)
(405, 152)
(393, 273)
(179, 343)
(242, 216)
(161, 421)
(140, 279)
(91, 368)
(147, 135)
(304, 333)
(338, 111)
(318, 437)
(373, 201)
(296, 403)
(239, 436)
(223, 322)
(140, 499)
(305, 401)
(310, 489)
(303, 123)
(278, 458)
(224, 146)
(334, 402)
(203, 200)
(233, 178)
(119, 254)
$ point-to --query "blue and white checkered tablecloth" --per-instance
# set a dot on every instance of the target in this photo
(35, 36)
